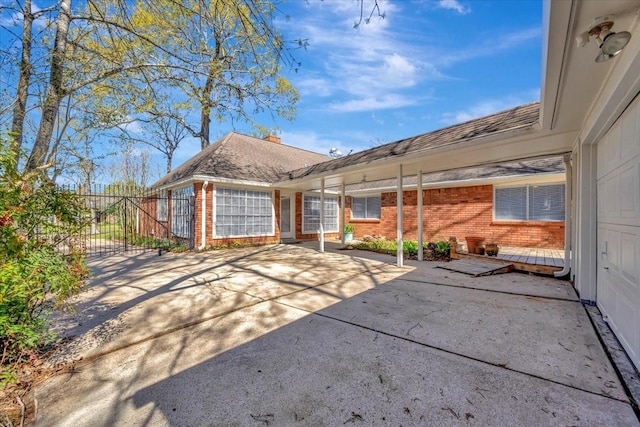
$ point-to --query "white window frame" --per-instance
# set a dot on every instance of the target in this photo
(327, 198)
(271, 231)
(162, 202)
(527, 207)
(181, 206)
(366, 197)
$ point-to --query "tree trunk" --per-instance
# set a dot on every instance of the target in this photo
(19, 110)
(169, 159)
(55, 91)
(205, 120)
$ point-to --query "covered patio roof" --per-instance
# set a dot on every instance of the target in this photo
(509, 135)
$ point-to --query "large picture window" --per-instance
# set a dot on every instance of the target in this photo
(242, 213)
(181, 214)
(365, 207)
(311, 214)
(529, 203)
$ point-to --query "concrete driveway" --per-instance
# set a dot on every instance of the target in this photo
(284, 335)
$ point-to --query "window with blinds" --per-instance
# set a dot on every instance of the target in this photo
(242, 213)
(366, 207)
(311, 214)
(543, 202)
(181, 211)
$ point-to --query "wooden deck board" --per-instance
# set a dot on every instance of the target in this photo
(541, 257)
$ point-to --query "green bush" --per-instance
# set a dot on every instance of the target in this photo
(35, 275)
(410, 247)
(442, 247)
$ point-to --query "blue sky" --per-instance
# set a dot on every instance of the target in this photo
(427, 65)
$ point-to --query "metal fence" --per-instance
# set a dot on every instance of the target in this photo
(122, 218)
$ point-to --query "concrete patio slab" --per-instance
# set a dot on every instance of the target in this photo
(133, 298)
(327, 339)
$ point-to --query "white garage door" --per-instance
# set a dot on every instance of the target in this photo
(618, 280)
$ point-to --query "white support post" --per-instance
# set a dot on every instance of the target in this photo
(420, 217)
(203, 219)
(322, 215)
(399, 202)
(343, 214)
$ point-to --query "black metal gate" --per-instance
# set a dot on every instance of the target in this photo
(125, 219)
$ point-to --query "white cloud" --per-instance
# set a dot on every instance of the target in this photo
(489, 106)
(312, 141)
(314, 86)
(493, 45)
(370, 63)
(11, 17)
(384, 102)
(454, 5)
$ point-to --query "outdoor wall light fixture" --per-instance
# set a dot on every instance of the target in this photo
(610, 43)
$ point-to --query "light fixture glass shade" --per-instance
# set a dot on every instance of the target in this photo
(613, 43)
(602, 57)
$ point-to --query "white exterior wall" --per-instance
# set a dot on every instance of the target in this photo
(618, 229)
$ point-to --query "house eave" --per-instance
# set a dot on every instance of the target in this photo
(513, 179)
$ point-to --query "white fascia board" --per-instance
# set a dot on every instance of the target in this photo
(539, 178)
(557, 21)
(317, 190)
(230, 181)
(176, 184)
(213, 180)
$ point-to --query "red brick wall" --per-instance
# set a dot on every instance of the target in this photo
(149, 224)
(459, 212)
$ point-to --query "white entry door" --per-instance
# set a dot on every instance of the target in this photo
(286, 231)
(618, 273)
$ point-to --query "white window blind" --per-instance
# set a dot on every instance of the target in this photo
(366, 207)
(546, 203)
(529, 203)
(242, 213)
(311, 214)
(181, 211)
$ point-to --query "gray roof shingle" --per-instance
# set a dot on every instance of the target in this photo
(242, 157)
(522, 116)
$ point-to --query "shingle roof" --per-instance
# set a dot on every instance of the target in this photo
(242, 157)
(522, 116)
(554, 165)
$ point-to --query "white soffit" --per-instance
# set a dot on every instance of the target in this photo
(572, 80)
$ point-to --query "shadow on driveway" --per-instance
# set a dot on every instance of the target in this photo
(328, 339)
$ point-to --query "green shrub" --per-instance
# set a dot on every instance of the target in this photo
(35, 276)
(349, 228)
(410, 247)
(442, 247)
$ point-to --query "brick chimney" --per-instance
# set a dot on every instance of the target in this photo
(272, 138)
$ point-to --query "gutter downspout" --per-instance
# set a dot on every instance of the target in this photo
(567, 218)
(203, 223)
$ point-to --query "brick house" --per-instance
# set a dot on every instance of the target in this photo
(589, 113)
(226, 192)
(515, 204)
(231, 194)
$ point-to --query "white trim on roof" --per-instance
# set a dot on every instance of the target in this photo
(539, 178)
(213, 180)
(221, 180)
